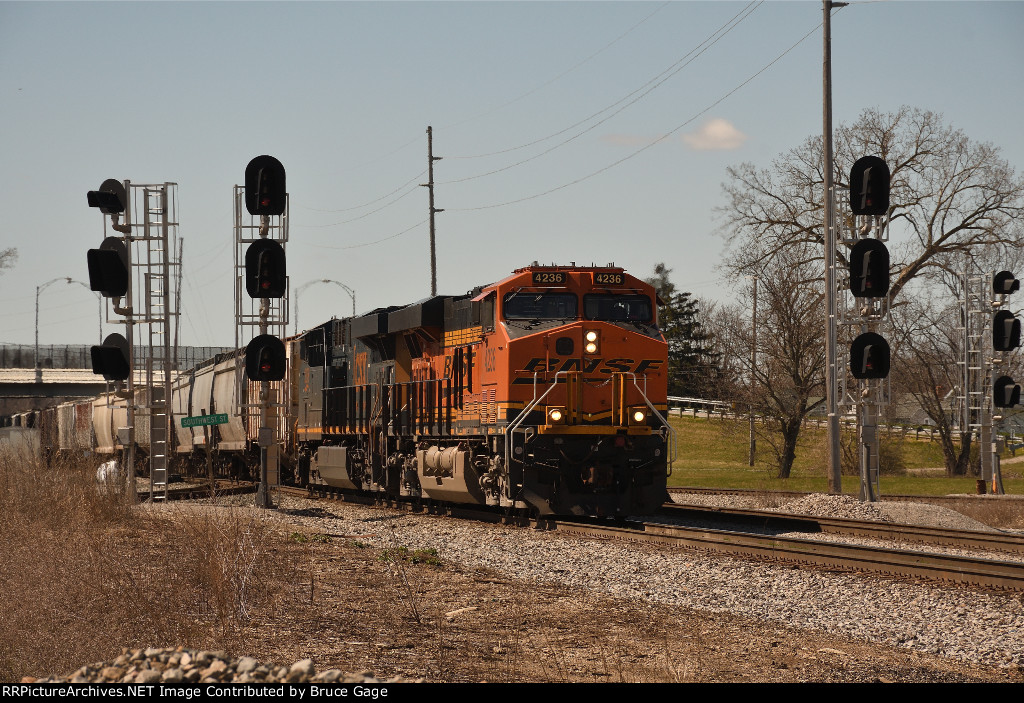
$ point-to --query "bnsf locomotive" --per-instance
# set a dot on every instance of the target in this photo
(544, 391)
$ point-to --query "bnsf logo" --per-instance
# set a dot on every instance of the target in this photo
(608, 366)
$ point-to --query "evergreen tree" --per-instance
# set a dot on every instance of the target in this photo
(692, 361)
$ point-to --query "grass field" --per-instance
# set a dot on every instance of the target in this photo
(713, 453)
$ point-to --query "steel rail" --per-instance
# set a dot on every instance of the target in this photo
(966, 539)
(975, 500)
(987, 573)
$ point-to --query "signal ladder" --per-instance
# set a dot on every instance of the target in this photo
(159, 228)
(977, 308)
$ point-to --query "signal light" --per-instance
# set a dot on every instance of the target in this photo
(869, 356)
(265, 358)
(1005, 331)
(556, 416)
(869, 186)
(869, 269)
(637, 416)
(110, 198)
(265, 270)
(1005, 393)
(111, 358)
(265, 192)
(108, 268)
(1004, 283)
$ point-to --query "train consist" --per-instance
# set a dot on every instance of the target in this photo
(545, 391)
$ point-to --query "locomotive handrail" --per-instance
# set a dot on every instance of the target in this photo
(671, 441)
(509, 429)
(671, 430)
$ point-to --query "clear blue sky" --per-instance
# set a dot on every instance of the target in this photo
(342, 93)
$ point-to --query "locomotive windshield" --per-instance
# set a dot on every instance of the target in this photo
(617, 308)
(540, 306)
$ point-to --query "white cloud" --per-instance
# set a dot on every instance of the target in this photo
(715, 134)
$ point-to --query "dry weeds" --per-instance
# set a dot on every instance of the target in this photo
(85, 576)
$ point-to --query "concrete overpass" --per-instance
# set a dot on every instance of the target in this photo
(25, 388)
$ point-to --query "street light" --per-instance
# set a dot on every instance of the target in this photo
(40, 289)
(304, 286)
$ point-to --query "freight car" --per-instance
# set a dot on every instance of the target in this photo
(545, 391)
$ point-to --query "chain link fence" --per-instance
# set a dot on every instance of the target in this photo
(78, 356)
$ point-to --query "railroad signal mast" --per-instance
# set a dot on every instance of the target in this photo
(991, 390)
(136, 268)
(261, 271)
(867, 277)
(110, 275)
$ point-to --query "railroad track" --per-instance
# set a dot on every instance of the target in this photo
(782, 522)
(947, 500)
(974, 571)
(192, 491)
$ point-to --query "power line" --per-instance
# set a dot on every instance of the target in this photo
(650, 86)
(364, 244)
(365, 214)
(414, 179)
(648, 146)
(488, 112)
(747, 10)
(556, 78)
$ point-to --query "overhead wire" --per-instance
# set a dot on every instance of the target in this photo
(415, 178)
(672, 70)
(366, 244)
(484, 114)
(550, 81)
(647, 146)
(692, 57)
(365, 214)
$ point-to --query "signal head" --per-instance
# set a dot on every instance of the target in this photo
(266, 274)
(265, 191)
(265, 358)
(869, 186)
(111, 359)
(1004, 283)
(110, 198)
(869, 356)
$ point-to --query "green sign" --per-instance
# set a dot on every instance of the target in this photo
(200, 420)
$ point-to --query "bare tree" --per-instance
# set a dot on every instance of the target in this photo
(949, 195)
(928, 343)
(788, 380)
(951, 199)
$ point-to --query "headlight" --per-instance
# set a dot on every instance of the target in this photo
(590, 341)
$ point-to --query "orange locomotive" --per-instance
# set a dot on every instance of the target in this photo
(545, 391)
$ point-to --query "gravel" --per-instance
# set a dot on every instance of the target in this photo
(189, 666)
(971, 625)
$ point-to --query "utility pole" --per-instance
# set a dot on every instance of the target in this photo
(429, 185)
(831, 372)
(753, 366)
